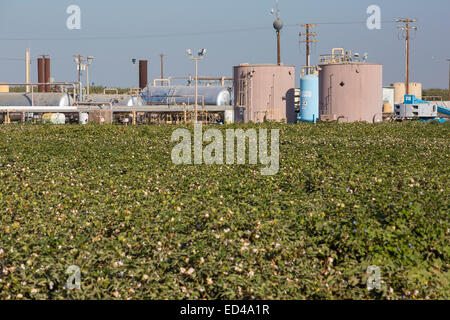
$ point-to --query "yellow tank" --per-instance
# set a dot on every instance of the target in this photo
(4, 88)
(415, 88)
(387, 108)
(54, 118)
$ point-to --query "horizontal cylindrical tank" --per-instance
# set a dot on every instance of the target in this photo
(177, 95)
(351, 91)
(264, 92)
(38, 99)
(415, 88)
(309, 98)
(123, 100)
(54, 118)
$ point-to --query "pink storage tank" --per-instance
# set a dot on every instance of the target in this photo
(264, 93)
(351, 91)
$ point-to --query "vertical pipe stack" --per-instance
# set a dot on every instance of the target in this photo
(41, 74)
(47, 74)
(162, 69)
(44, 74)
(143, 74)
(27, 69)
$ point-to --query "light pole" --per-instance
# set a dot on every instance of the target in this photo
(82, 64)
(89, 61)
(77, 60)
(133, 61)
(201, 54)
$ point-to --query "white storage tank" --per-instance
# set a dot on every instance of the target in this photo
(84, 118)
(178, 95)
(123, 100)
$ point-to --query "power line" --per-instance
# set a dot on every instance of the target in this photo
(183, 34)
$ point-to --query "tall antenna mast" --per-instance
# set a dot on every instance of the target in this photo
(278, 25)
(407, 27)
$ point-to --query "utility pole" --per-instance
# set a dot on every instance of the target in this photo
(407, 27)
(308, 42)
(162, 68)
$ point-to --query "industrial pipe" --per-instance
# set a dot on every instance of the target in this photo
(38, 109)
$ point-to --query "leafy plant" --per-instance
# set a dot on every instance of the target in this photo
(109, 200)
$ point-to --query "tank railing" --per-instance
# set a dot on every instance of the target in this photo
(329, 58)
(134, 91)
(310, 70)
(344, 56)
(192, 79)
(33, 85)
(433, 98)
(162, 81)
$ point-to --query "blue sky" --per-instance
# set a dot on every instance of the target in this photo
(233, 31)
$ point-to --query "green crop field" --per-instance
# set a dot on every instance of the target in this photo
(109, 200)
